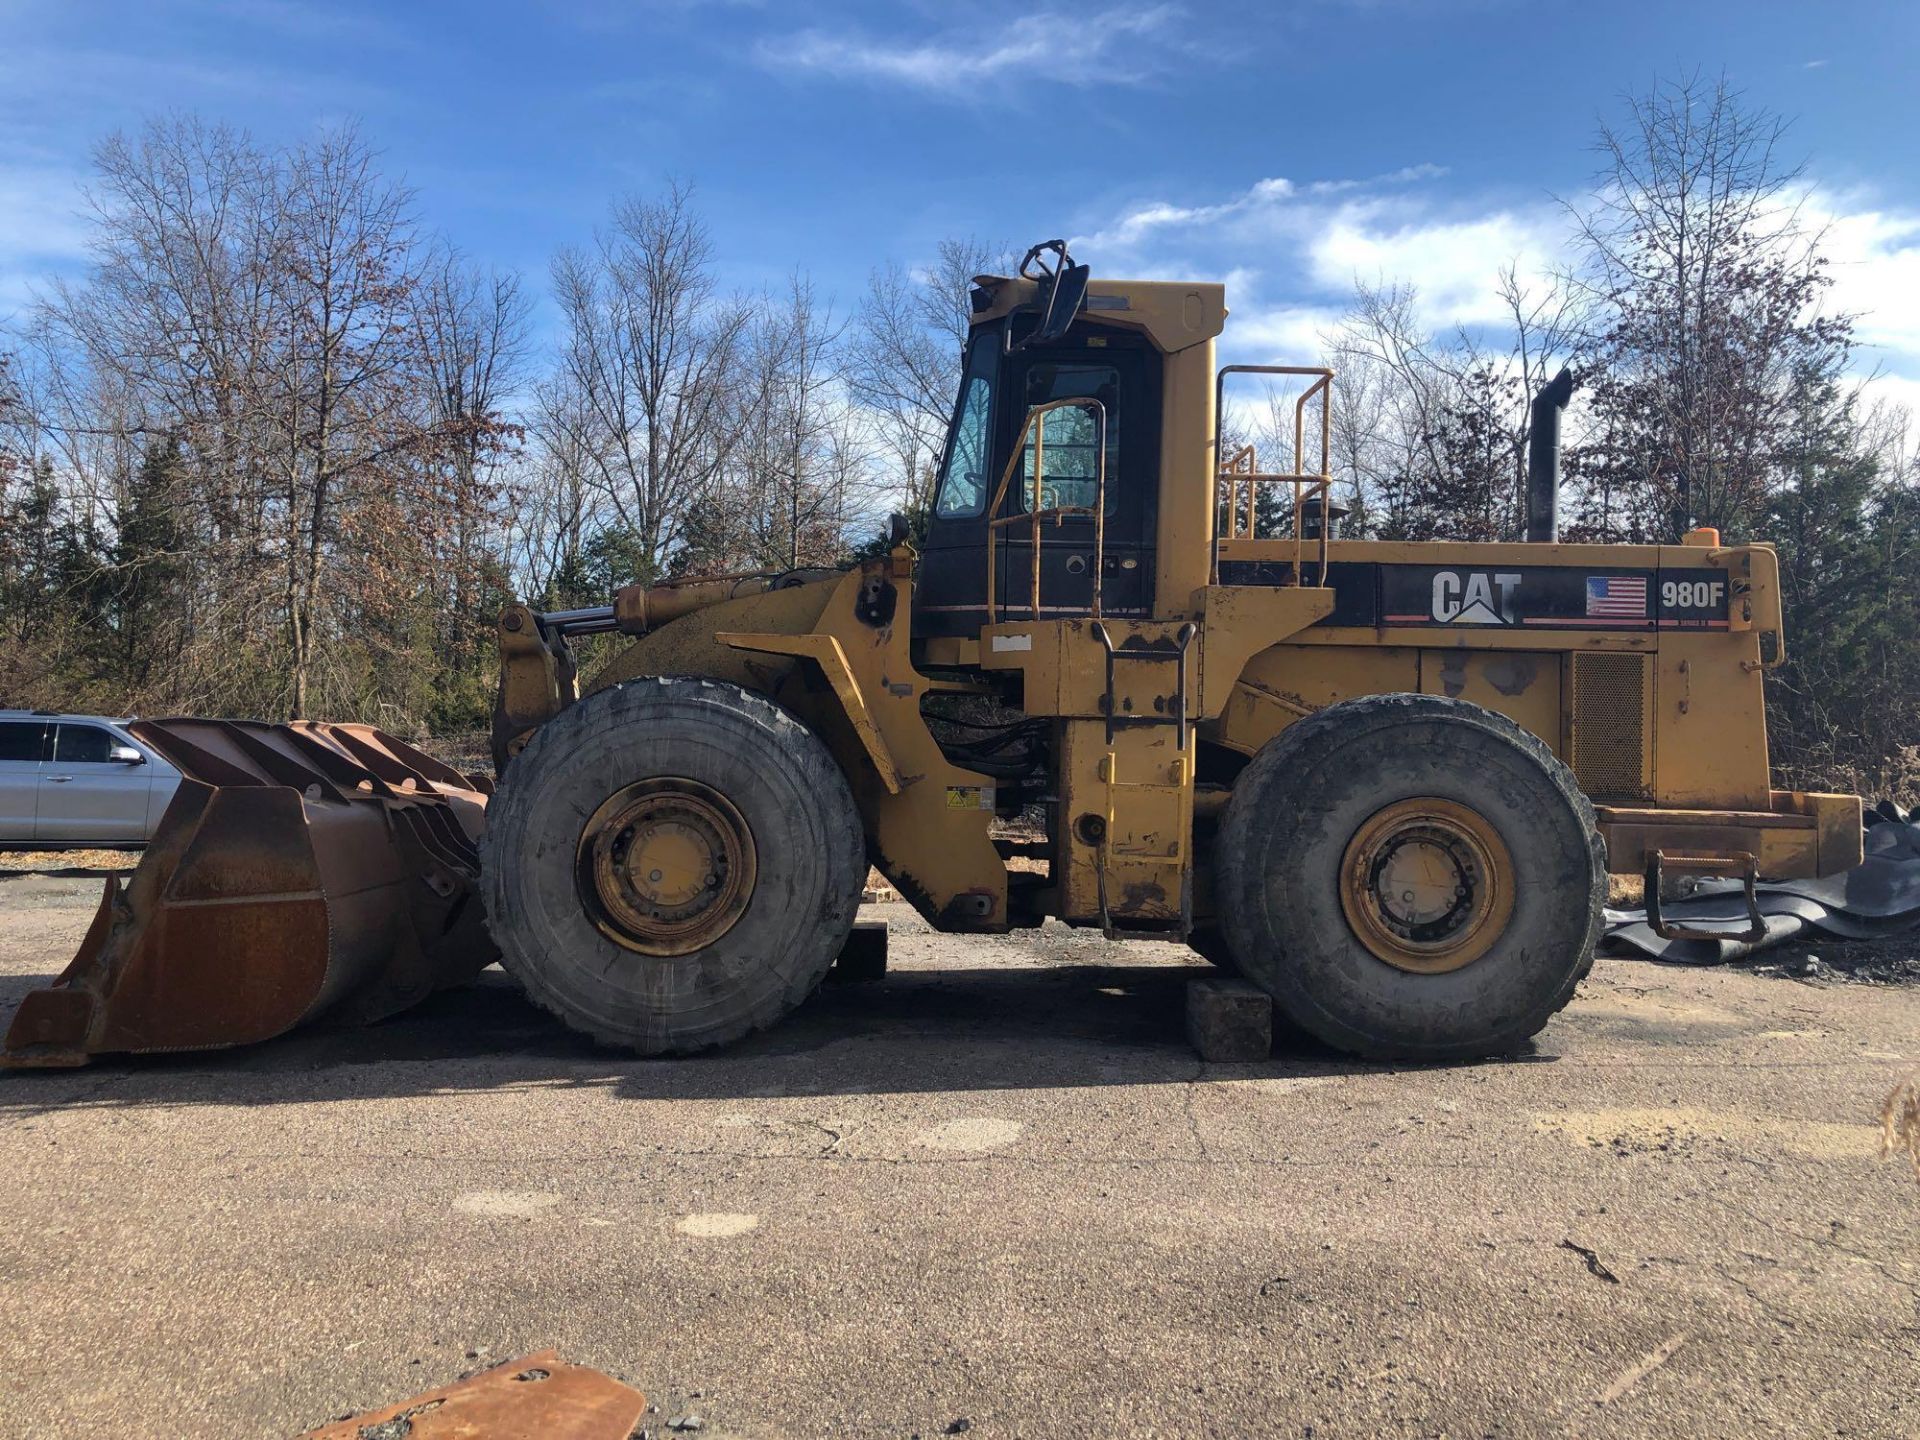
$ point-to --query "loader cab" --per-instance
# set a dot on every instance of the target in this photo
(1006, 375)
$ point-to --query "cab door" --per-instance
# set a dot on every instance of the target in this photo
(1003, 380)
(1122, 372)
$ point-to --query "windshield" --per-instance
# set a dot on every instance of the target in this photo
(963, 480)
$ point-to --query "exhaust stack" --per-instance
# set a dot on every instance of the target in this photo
(1543, 459)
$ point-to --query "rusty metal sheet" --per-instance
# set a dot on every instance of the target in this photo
(537, 1397)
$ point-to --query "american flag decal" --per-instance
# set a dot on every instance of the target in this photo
(1617, 597)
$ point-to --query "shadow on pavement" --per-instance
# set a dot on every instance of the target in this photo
(918, 1030)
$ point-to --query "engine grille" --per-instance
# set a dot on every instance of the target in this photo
(1609, 740)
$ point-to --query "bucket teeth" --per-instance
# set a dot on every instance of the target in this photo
(302, 870)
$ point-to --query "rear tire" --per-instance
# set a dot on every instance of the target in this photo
(1411, 878)
(1209, 942)
(671, 864)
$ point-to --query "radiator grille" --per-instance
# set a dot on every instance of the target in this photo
(1609, 725)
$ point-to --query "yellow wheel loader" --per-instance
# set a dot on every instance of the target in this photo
(1383, 781)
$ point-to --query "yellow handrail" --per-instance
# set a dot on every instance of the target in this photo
(1306, 484)
(997, 522)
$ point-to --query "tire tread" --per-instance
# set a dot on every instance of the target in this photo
(601, 713)
(1295, 747)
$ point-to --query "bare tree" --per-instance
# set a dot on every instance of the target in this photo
(796, 497)
(557, 505)
(1708, 285)
(905, 354)
(1432, 429)
(244, 389)
(173, 336)
(650, 356)
(471, 329)
(345, 287)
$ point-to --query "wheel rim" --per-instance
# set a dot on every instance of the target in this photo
(666, 866)
(1427, 885)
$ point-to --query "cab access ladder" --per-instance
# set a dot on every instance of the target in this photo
(1149, 812)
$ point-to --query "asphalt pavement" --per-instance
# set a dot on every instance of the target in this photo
(994, 1194)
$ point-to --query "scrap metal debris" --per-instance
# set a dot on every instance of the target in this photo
(537, 1397)
(1878, 897)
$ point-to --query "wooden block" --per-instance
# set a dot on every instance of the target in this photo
(1229, 1021)
(864, 957)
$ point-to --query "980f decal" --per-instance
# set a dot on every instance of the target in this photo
(1693, 600)
(1370, 594)
(1424, 595)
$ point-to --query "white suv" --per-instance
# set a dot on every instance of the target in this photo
(76, 780)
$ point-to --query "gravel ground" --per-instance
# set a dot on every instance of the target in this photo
(67, 862)
(994, 1194)
(1891, 960)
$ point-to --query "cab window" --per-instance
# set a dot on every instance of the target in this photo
(82, 745)
(1071, 436)
(963, 480)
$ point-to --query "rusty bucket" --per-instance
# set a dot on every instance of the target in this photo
(302, 870)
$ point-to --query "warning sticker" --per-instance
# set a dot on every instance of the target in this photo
(970, 797)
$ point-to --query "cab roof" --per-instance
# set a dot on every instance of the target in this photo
(1174, 314)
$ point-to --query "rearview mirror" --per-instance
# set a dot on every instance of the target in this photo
(126, 755)
(1064, 299)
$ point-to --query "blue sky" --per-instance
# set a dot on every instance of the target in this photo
(1286, 147)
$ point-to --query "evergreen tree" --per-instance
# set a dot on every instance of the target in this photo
(1846, 540)
(149, 559)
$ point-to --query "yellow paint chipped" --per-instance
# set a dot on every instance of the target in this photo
(718, 1226)
(1682, 1128)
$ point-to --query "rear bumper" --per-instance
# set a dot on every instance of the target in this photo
(1802, 836)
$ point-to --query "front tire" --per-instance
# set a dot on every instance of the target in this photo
(672, 863)
(1411, 878)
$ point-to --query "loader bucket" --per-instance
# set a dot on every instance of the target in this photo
(302, 870)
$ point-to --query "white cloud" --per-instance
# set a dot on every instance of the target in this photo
(1268, 207)
(1278, 334)
(1291, 251)
(1895, 390)
(1453, 265)
(40, 230)
(1137, 227)
(1059, 48)
(1405, 175)
(1873, 256)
